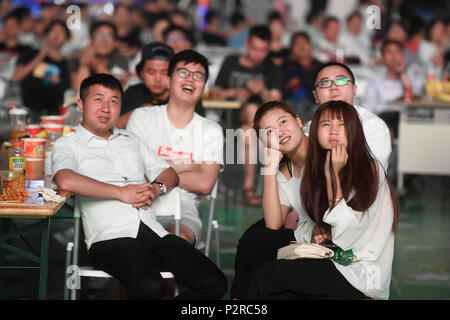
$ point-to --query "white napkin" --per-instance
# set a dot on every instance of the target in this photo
(50, 195)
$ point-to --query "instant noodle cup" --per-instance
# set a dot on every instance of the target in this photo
(35, 169)
(34, 147)
(33, 129)
(53, 127)
(52, 119)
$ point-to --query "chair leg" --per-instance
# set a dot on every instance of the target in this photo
(68, 259)
(215, 225)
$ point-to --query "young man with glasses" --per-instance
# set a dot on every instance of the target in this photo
(335, 81)
(190, 143)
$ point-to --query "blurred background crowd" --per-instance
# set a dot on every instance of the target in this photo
(42, 61)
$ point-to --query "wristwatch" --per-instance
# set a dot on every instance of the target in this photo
(162, 187)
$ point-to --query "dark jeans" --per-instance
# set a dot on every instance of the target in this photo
(301, 279)
(257, 246)
(137, 264)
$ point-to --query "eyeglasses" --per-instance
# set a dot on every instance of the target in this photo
(322, 84)
(196, 75)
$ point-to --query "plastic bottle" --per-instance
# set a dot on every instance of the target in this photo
(48, 172)
(343, 257)
(17, 160)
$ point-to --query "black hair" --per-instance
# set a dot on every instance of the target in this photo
(21, 13)
(103, 79)
(391, 41)
(338, 64)
(210, 16)
(174, 27)
(298, 34)
(189, 56)
(58, 22)
(274, 15)
(237, 18)
(99, 24)
(260, 31)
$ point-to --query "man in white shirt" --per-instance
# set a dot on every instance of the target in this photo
(191, 144)
(382, 90)
(108, 169)
(335, 81)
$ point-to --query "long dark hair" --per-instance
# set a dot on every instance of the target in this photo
(359, 177)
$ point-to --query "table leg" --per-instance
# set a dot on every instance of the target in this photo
(400, 184)
(43, 270)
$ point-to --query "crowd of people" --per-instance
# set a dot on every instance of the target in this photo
(140, 80)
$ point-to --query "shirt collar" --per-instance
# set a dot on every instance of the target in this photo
(85, 135)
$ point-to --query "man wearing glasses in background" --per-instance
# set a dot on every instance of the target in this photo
(190, 143)
(101, 56)
(335, 81)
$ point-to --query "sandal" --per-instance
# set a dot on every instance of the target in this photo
(251, 198)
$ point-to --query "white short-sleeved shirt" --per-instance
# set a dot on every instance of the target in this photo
(122, 159)
(201, 140)
(371, 238)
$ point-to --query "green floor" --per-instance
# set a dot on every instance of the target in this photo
(421, 267)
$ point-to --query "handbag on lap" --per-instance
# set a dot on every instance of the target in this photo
(297, 250)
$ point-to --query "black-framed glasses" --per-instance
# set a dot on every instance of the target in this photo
(196, 75)
(323, 84)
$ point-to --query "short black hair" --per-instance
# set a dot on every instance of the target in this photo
(391, 41)
(300, 34)
(189, 56)
(236, 18)
(103, 79)
(174, 27)
(260, 31)
(61, 23)
(99, 24)
(337, 64)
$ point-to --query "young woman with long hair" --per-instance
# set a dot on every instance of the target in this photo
(345, 191)
(285, 146)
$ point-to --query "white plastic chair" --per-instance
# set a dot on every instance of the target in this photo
(163, 208)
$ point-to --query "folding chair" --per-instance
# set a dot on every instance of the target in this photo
(74, 282)
(213, 224)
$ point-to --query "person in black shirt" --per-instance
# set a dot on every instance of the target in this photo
(298, 76)
(154, 89)
(9, 46)
(242, 76)
(210, 35)
(44, 75)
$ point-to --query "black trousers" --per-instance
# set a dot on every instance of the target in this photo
(137, 264)
(301, 279)
(257, 246)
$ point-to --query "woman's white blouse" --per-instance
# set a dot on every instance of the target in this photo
(371, 238)
(369, 235)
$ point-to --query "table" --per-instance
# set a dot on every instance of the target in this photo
(223, 105)
(35, 208)
(423, 146)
